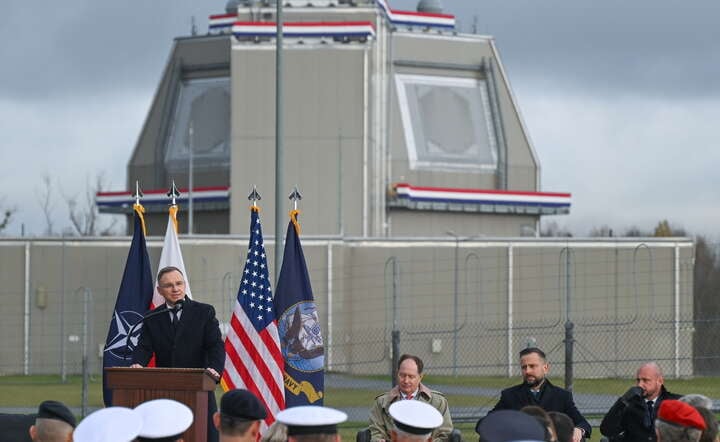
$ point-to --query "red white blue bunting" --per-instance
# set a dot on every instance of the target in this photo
(477, 196)
(420, 19)
(227, 22)
(221, 21)
(304, 29)
(153, 197)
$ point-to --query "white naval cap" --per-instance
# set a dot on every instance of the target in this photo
(163, 418)
(311, 419)
(112, 424)
(415, 417)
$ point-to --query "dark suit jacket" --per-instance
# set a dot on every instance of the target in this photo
(16, 427)
(551, 398)
(624, 422)
(197, 343)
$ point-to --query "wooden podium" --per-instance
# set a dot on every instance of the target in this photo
(133, 386)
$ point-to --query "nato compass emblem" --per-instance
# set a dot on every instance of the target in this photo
(119, 345)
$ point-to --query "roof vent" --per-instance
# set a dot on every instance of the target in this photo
(432, 6)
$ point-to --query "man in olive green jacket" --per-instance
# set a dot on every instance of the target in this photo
(409, 387)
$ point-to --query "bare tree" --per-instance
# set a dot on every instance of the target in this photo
(6, 217)
(636, 232)
(602, 231)
(45, 199)
(552, 229)
(84, 216)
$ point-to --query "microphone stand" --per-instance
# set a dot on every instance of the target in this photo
(178, 306)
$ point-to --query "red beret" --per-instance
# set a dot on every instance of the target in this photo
(680, 413)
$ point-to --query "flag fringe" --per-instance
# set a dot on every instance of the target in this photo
(173, 214)
(293, 218)
(140, 210)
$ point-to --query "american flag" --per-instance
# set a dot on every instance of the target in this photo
(254, 361)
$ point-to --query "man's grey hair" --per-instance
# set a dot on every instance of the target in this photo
(698, 400)
(668, 432)
(654, 366)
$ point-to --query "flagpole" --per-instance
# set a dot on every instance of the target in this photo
(173, 193)
(295, 196)
(191, 180)
(279, 155)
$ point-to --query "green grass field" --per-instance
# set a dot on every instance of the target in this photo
(29, 391)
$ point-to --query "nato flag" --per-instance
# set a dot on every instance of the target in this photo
(299, 327)
(133, 299)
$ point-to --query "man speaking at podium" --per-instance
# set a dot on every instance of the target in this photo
(183, 334)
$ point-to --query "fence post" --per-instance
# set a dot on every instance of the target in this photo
(395, 355)
(569, 340)
(569, 326)
(85, 370)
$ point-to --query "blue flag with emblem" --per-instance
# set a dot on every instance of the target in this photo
(299, 326)
(133, 299)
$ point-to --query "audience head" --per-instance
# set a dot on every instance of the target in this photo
(710, 433)
(544, 419)
(678, 422)
(649, 377)
(240, 415)
(112, 424)
(54, 423)
(413, 421)
(534, 366)
(564, 426)
(409, 373)
(509, 425)
(698, 400)
(312, 423)
(163, 420)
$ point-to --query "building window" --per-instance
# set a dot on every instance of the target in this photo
(205, 103)
(447, 123)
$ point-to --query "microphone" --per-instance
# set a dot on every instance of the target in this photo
(148, 315)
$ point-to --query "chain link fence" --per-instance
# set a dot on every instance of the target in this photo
(465, 306)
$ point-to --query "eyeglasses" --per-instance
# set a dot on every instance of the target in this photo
(170, 285)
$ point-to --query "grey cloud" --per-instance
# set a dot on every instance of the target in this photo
(83, 47)
(643, 47)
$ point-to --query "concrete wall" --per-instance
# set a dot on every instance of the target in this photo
(628, 302)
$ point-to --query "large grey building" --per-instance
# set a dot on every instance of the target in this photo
(395, 125)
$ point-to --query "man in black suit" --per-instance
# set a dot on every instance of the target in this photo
(632, 417)
(537, 390)
(182, 333)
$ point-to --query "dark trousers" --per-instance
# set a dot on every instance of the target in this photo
(212, 433)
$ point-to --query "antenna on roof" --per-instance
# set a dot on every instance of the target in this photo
(193, 26)
(431, 6)
(231, 7)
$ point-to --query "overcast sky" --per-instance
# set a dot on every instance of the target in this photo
(621, 99)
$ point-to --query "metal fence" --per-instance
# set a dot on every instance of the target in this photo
(598, 309)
